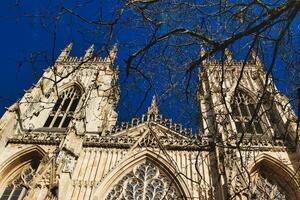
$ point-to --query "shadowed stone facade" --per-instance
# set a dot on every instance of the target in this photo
(60, 141)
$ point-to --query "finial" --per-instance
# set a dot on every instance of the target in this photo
(113, 52)
(89, 52)
(202, 52)
(256, 59)
(228, 55)
(153, 109)
(65, 52)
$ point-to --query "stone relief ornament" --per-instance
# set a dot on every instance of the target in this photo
(69, 164)
(69, 160)
(145, 181)
(148, 141)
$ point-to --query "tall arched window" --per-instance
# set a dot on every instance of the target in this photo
(64, 108)
(270, 179)
(265, 188)
(17, 176)
(145, 181)
(243, 110)
(17, 187)
(274, 117)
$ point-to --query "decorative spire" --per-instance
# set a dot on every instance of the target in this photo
(202, 52)
(65, 52)
(153, 109)
(89, 52)
(256, 59)
(228, 55)
(113, 52)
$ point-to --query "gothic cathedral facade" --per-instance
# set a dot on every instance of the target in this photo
(60, 140)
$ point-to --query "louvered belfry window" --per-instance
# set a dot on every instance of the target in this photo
(243, 111)
(64, 108)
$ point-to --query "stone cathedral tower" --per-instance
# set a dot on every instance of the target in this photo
(253, 129)
(60, 141)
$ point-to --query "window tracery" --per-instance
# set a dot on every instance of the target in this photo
(266, 189)
(144, 182)
(243, 110)
(17, 187)
(273, 116)
(64, 108)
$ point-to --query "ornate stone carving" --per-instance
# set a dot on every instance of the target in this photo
(148, 141)
(145, 181)
(79, 122)
(51, 138)
(69, 158)
(127, 142)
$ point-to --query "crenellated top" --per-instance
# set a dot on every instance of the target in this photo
(88, 57)
(229, 62)
(75, 59)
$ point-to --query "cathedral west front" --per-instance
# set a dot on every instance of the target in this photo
(61, 140)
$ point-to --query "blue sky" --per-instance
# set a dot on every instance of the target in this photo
(25, 38)
(26, 35)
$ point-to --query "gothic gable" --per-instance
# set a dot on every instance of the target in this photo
(146, 135)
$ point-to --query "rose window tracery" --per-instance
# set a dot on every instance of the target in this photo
(144, 182)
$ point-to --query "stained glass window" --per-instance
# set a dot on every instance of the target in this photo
(16, 188)
(145, 181)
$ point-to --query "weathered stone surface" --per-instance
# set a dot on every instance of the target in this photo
(149, 157)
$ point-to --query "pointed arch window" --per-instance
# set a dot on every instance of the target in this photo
(145, 181)
(273, 116)
(266, 184)
(266, 188)
(243, 110)
(17, 187)
(64, 108)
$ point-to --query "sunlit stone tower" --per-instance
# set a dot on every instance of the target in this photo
(60, 140)
(87, 83)
(253, 128)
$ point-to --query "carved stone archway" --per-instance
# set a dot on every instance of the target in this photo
(273, 178)
(23, 157)
(17, 172)
(144, 174)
